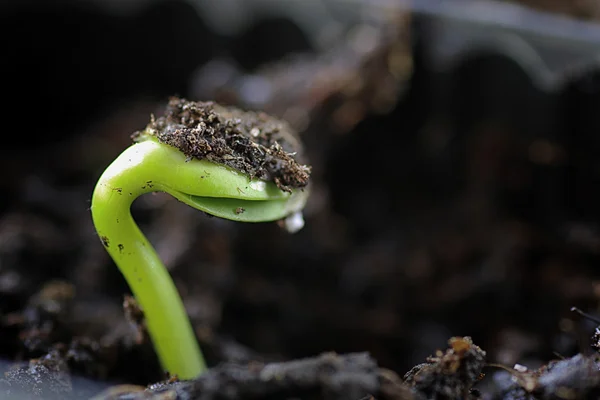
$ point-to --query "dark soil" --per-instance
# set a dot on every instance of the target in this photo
(445, 205)
(251, 142)
(449, 375)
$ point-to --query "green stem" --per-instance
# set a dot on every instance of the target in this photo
(166, 318)
(150, 166)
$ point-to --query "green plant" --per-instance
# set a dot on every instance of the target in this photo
(206, 156)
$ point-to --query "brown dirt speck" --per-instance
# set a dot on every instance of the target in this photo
(135, 316)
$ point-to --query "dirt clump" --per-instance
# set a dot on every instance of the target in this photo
(251, 142)
(450, 374)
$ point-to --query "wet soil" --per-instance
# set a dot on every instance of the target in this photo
(451, 215)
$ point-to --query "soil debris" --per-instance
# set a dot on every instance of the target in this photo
(91, 358)
(135, 316)
(251, 142)
(116, 391)
(328, 376)
(449, 375)
(44, 378)
(595, 344)
(577, 377)
(43, 320)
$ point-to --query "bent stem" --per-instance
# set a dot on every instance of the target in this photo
(149, 166)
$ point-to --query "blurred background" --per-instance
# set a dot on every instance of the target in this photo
(455, 161)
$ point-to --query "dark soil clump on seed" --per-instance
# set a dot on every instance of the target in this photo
(251, 142)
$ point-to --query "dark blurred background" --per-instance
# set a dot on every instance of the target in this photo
(455, 176)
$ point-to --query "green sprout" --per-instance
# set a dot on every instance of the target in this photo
(219, 160)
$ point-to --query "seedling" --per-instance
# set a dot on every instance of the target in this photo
(228, 163)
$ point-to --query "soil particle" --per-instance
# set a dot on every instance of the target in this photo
(135, 316)
(54, 297)
(392, 387)
(44, 378)
(596, 340)
(116, 391)
(577, 377)
(251, 142)
(449, 375)
(43, 320)
(89, 357)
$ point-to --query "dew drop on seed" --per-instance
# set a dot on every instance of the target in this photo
(294, 222)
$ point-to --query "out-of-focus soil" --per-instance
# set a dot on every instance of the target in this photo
(583, 9)
(427, 220)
